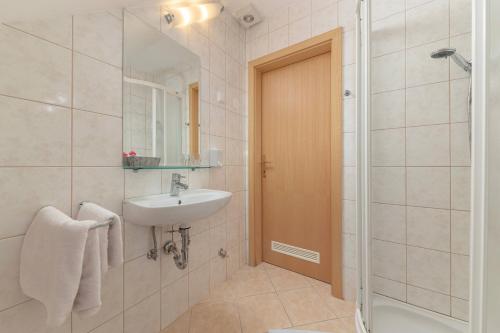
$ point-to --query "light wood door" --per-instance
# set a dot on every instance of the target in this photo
(296, 157)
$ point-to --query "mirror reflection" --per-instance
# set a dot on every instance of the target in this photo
(160, 99)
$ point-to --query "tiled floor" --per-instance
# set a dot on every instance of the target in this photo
(265, 297)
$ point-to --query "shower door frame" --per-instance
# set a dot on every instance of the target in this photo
(485, 165)
(363, 228)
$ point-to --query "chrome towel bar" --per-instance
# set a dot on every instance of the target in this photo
(107, 223)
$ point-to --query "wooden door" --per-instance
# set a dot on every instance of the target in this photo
(296, 158)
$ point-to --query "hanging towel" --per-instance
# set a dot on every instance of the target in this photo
(103, 250)
(88, 299)
(52, 258)
(110, 238)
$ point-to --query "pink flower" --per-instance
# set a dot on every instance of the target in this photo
(132, 153)
(124, 154)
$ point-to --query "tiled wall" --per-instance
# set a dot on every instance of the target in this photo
(61, 143)
(297, 22)
(420, 154)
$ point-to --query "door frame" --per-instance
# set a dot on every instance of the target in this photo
(328, 42)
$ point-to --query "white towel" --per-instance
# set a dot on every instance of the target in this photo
(88, 299)
(110, 238)
(104, 249)
(52, 258)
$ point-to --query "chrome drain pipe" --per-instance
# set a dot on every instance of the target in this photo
(181, 259)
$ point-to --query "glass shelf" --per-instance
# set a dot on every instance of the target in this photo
(168, 167)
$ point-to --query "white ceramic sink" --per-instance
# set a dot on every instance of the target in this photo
(165, 210)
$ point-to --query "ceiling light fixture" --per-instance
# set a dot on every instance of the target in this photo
(181, 16)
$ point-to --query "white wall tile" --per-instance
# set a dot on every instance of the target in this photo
(428, 299)
(349, 48)
(97, 139)
(278, 39)
(29, 317)
(388, 110)
(463, 44)
(388, 147)
(112, 303)
(384, 8)
(388, 185)
(460, 188)
(427, 23)
(174, 300)
(459, 90)
(100, 36)
(347, 14)
(55, 30)
(460, 232)
(103, 186)
(150, 15)
(299, 30)
(141, 279)
(10, 290)
(392, 63)
(25, 190)
(143, 317)
(422, 69)
(97, 86)
(299, 9)
(460, 276)
(386, 287)
(33, 68)
(428, 104)
(460, 145)
(388, 35)
(428, 145)
(217, 61)
(460, 308)
(324, 19)
(389, 222)
(114, 325)
(428, 228)
(389, 260)
(199, 284)
(429, 269)
(460, 17)
(46, 134)
(146, 182)
(198, 254)
(429, 187)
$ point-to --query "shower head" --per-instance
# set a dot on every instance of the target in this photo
(443, 53)
(457, 58)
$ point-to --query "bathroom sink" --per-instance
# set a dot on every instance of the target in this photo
(165, 209)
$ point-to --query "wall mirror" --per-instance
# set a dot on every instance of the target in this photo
(161, 91)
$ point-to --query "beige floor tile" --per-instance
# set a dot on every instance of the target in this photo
(180, 325)
(251, 287)
(249, 273)
(343, 325)
(305, 306)
(286, 280)
(339, 307)
(215, 318)
(226, 291)
(260, 313)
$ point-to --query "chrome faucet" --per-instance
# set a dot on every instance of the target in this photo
(176, 185)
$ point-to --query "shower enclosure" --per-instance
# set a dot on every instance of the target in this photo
(415, 124)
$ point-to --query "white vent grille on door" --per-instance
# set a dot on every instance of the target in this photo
(295, 251)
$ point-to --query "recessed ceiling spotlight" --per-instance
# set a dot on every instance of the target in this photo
(248, 16)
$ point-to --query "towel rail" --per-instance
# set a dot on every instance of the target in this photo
(107, 223)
